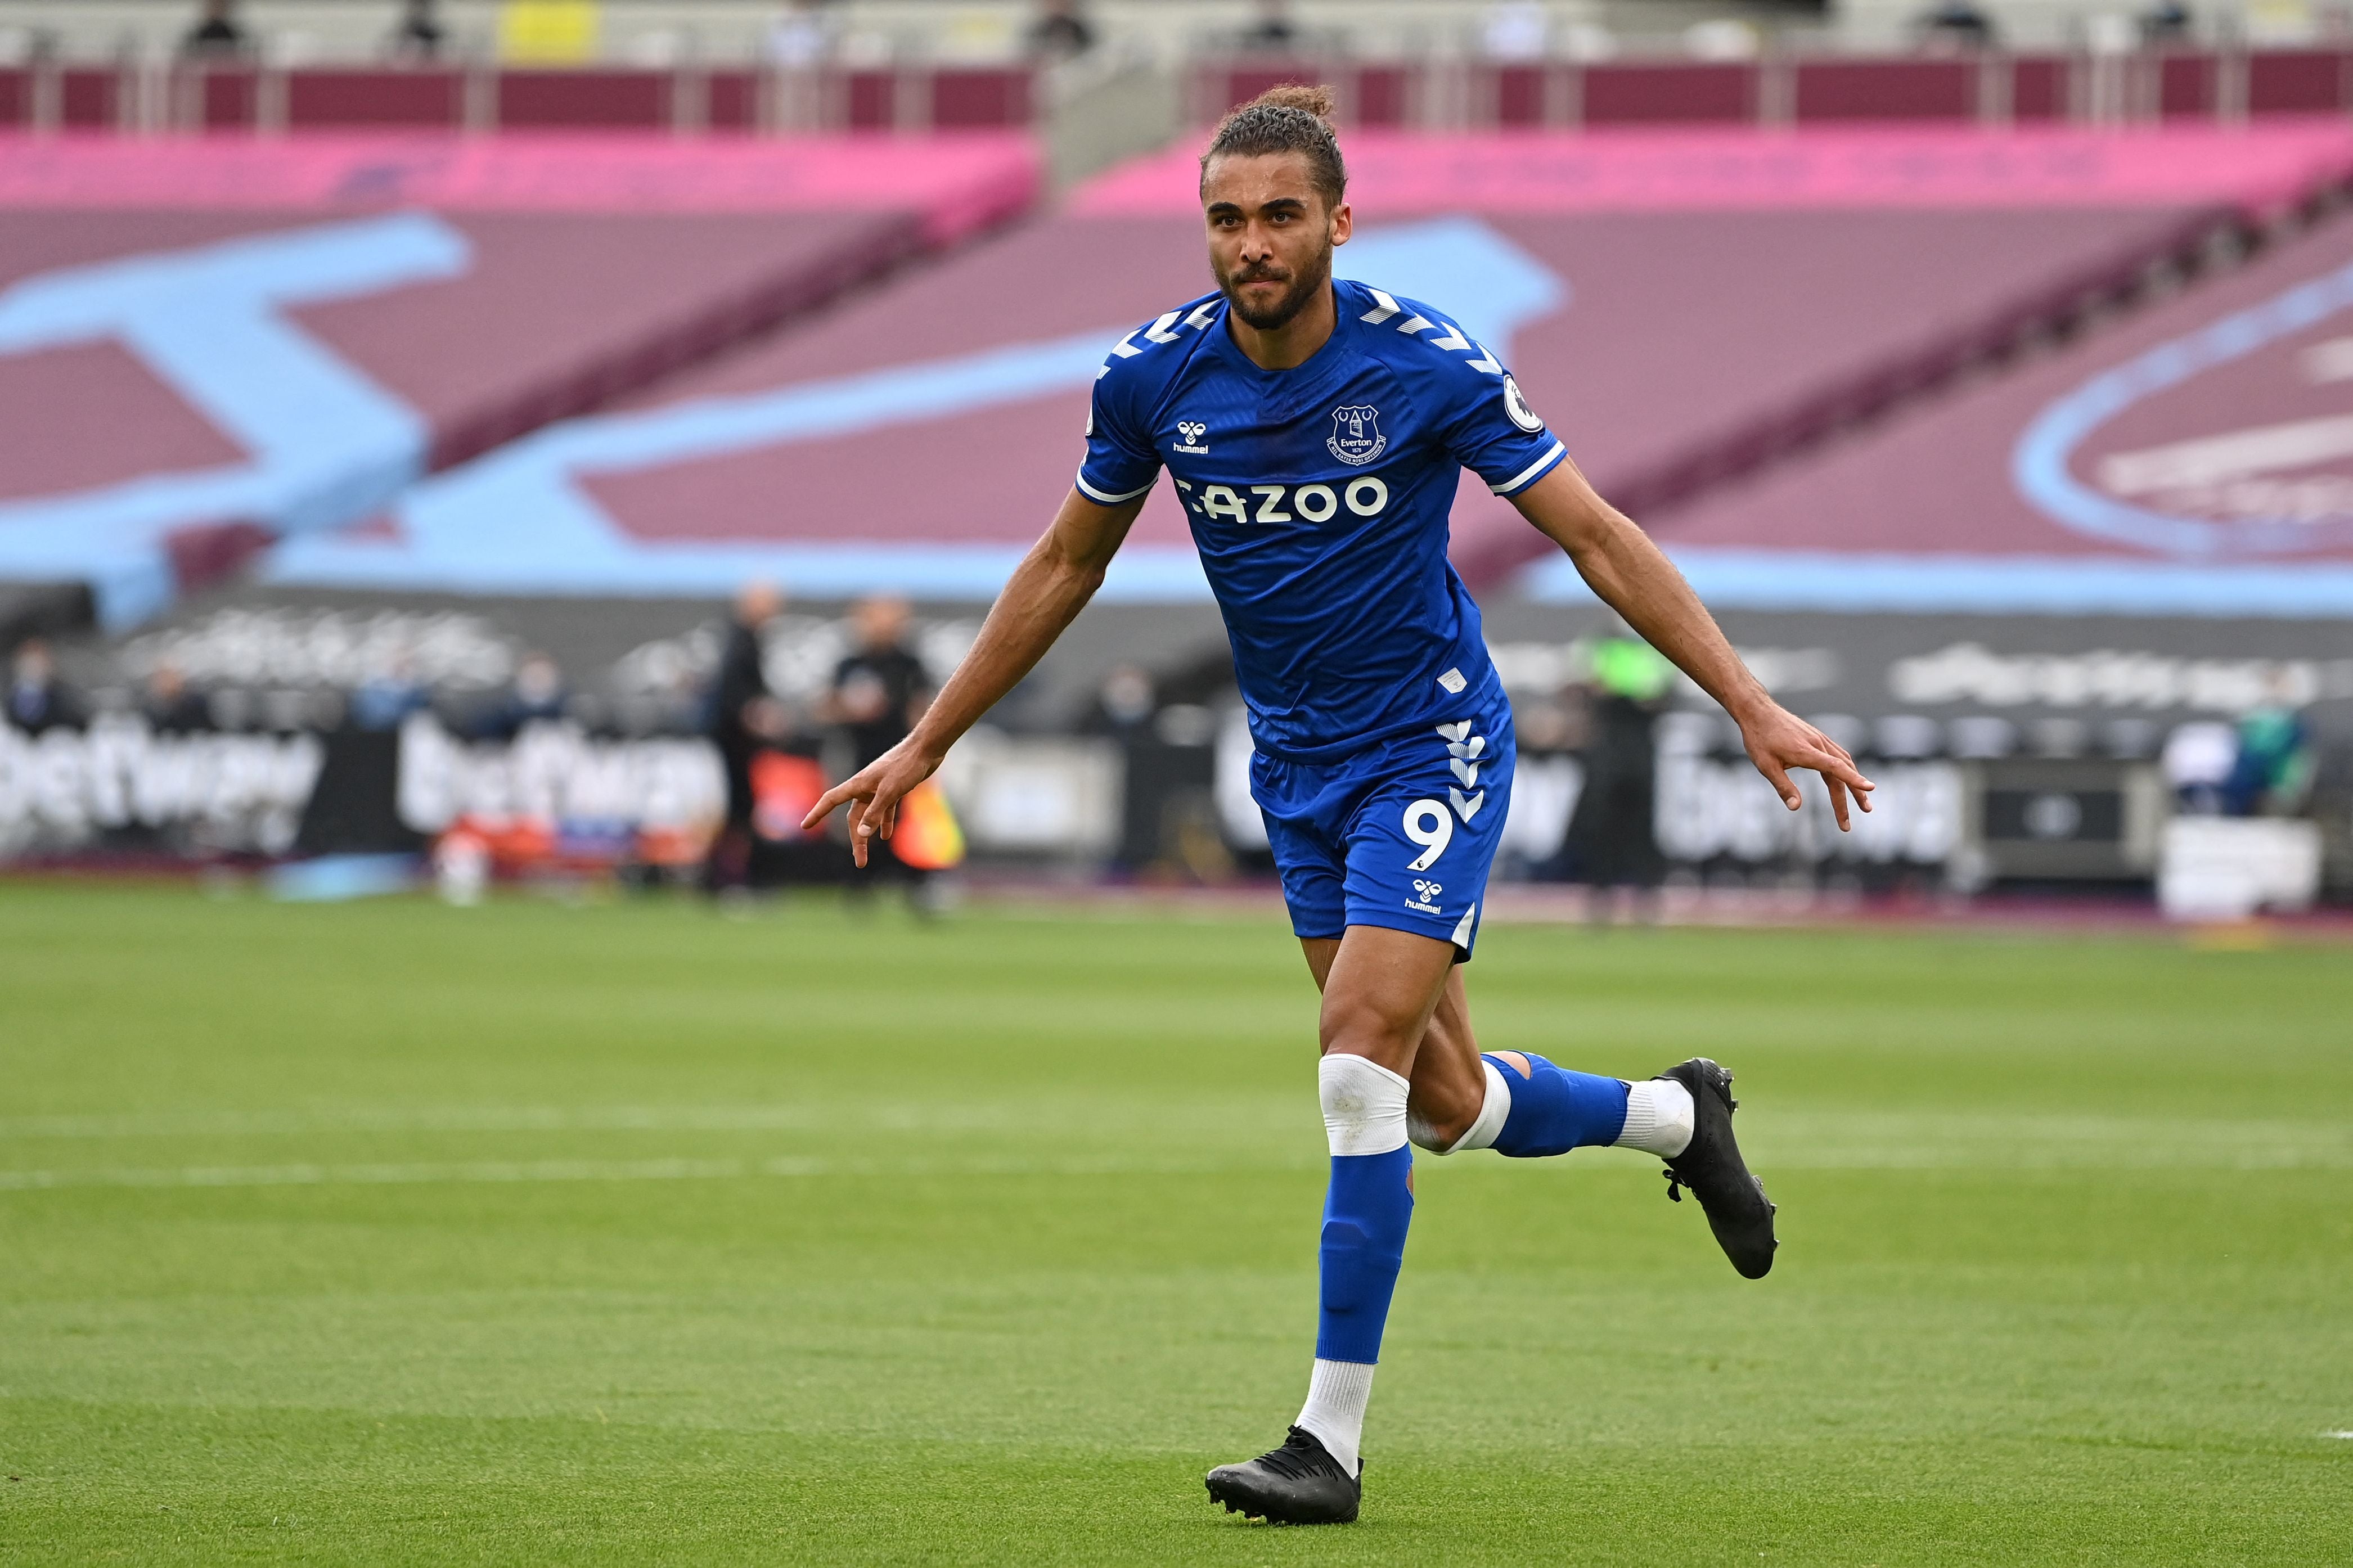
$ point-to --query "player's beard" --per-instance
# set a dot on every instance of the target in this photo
(1303, 285)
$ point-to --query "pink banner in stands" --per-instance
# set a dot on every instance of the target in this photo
(2258, 167)
(958, 181)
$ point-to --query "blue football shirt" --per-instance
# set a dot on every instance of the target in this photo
(1318, 497)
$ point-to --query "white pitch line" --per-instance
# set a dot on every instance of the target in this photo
(469, 1172)
(910, 1116)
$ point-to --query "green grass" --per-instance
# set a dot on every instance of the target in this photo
(627, 1232)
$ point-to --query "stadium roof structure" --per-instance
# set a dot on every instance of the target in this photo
(1671, 300)
(2196, 459)
(206, 345)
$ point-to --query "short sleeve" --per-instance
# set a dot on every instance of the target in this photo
(1119, 466)
(1492, 432)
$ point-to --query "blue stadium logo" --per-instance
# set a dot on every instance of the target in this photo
(1357, 434)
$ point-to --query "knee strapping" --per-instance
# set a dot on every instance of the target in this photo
(1364, 1105)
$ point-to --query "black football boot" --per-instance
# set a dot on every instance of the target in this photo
(1711, 1166)
(1299, 1483)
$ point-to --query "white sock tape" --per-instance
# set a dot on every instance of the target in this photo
(1364, 1105)
(1491, 1111)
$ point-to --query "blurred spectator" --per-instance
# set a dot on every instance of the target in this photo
(419, 35)
(2273, 771)
(801, 37)
(385, 699)
(2198, 761)
(879, 692)
(537, 694)
(215, 32)
(1124, 704)
(1550, 726)
(745, 716)
(1610, 834)
(1061, 30)
(1122, 714)
(1515, 30)
(37, 699)
(172, 708)
(882, 690)
(1273, 29)
(2166, 22)
(1957, 24)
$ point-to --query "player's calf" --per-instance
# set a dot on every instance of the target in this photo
(1535, 1109)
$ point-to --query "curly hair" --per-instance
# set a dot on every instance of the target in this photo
(1287, 118)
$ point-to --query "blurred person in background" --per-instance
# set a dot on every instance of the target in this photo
(37, 699)
(2272, 774)
(1271, 30)
(1122, 714)
(1956, 27)
(419, 35)
(1611, 834)
(1381, 732)
(880, 690)
(385, 699)
(536, 695)
(2166, 22)
(1061, 31)
(1124, 705)
(216, 32)
(170, 706)
(745, 716)
(2198, 761)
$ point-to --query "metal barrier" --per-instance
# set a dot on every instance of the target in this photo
(2220, 85)
(1993, 89)
(189, 96)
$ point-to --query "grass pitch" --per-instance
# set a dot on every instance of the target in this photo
(631, 1234)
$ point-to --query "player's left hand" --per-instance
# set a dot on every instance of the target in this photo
(1777, 741)
(875, 791)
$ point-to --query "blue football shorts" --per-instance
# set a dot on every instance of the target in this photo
(1398, 834)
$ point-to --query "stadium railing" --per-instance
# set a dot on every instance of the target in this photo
(1797, 89)
(2223, 85)
(191, 96)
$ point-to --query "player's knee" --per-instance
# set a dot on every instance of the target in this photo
(1364, 1105)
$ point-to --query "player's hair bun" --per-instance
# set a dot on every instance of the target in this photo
(1292, 118)
(1316, 101)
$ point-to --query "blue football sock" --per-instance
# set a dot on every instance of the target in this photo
(1554, 1110)
(1365, 1213)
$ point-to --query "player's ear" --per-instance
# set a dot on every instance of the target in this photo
(1344, 222)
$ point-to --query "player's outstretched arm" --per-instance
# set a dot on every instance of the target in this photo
(1045, 594)
(1620, 563)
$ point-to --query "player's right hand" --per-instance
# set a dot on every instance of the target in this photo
(874, 793)
(1777, 740)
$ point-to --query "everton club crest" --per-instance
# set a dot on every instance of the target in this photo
(1357, 434)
